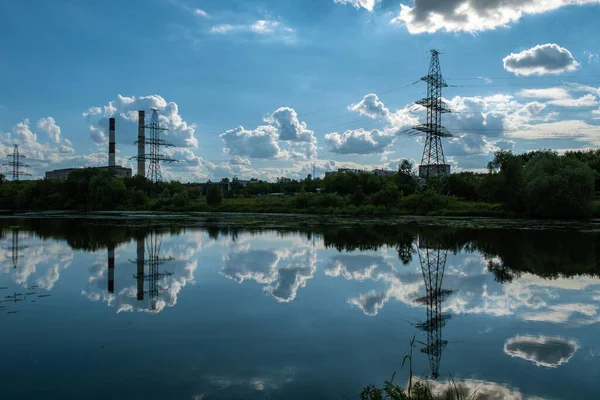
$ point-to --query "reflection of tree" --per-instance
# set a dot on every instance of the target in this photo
(433, 263)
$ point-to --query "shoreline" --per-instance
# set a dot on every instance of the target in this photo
(291, 220)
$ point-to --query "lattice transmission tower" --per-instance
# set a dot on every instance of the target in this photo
(155, 143)
(16, 164)
(433, 263)
(154, 261)
(433, 164)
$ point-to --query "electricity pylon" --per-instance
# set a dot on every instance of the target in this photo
(16, 164)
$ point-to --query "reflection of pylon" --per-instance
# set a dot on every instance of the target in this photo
(29, 296)
(153, 245)
(15, 248)
(433, 263)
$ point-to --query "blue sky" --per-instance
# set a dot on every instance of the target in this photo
(323, 82)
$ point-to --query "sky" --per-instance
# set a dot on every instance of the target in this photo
(264, 89)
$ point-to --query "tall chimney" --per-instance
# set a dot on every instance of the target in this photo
(111, 268)
(111, 142)
(140, 268)
(141, 143)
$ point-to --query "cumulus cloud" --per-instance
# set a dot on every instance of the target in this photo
(366, 4)
(285, 137)
(200, 13)
(543, 351)
(40, 156)
(359, 141)
(125, 109)
(472, 15)
(49, 126)
(470, 144)
(257, 143)
(265, 28)
(541, 60)
(370, 106)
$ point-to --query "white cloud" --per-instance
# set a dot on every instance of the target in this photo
(472, 15)
(541, 60)
(360, 141)
(366, 4)
(472, 388)
(42, 156)
(554, 93)
(593, 58)
(265, 28)
(370, 106)
(257, 143)
(470, 144)
(588, 100)
(181, 133)
(284, 138)
(543, 351)
(49, 126)
(200, 12)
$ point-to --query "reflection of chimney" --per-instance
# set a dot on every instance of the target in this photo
(141, 254)
(111, 269)
(141, 143)
(111, 143)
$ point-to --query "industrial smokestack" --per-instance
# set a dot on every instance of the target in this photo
(142, 143)
(111, 269)
(111, 142)
(140, 268)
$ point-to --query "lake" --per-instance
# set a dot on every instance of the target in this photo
(116, 309)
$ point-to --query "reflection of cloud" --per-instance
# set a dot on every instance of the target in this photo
(541, 350)
(471, 388)
(283, 271)
(357, 267)
(268, 381)
(370, 302)
(39, 264)
(125, 299)
(530, 297)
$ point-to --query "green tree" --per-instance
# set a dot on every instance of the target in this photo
(558, 187)
(213, 195)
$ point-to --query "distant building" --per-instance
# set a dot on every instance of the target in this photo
(62, 174)
(383, 172)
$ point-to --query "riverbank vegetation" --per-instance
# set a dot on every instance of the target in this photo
(536, 184)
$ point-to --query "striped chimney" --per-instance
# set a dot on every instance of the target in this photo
(111, 143)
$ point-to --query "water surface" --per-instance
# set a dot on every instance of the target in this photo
(214, 313)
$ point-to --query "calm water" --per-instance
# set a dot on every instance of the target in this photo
(290, 314)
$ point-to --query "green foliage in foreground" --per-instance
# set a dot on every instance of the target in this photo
(420, 390)
(537, 184)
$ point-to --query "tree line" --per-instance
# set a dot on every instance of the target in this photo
(535, 184)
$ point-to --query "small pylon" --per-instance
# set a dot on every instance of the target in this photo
(16, 164)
